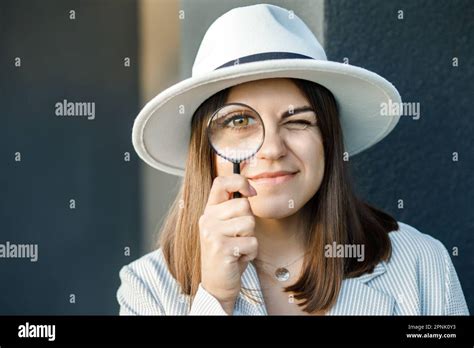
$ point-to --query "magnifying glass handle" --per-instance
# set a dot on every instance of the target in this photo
(236, 171)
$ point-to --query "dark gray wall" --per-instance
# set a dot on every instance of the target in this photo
(414, 162)
(80, 250)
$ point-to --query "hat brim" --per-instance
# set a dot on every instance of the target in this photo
(161, 131)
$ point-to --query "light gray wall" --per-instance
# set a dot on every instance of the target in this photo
(200, 15)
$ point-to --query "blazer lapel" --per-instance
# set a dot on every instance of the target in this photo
(355, 298)
(358, 298)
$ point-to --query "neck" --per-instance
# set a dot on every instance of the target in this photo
(280, 241)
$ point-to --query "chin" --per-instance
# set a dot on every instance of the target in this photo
(274, 210)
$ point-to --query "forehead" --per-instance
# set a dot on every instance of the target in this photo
(274, 94)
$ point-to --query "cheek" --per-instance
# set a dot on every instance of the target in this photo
(309, 150)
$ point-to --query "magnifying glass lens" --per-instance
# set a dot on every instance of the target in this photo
(236, 132)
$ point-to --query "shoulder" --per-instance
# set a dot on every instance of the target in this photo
(414, 252)
(152, 271)
(148, 266)
(414, 246)
(147, 287)
(421, 266)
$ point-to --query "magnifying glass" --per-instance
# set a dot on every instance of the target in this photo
(236, 133)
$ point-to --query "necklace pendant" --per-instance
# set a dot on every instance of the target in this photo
(282, 274)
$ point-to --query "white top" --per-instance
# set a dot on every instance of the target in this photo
(419, 279)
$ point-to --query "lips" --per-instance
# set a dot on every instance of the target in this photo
(273, 178)
(271, 174)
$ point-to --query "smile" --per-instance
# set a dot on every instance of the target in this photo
(274, 180)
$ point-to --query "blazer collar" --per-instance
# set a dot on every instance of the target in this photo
(356, 297)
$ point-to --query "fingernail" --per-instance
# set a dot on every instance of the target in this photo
(254, 192)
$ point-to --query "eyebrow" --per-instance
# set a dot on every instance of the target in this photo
(297, 110)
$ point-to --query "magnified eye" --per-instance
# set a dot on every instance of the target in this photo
(238, 121)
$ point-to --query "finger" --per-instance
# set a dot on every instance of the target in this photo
(230, 209)
(223, 187)
(242, 246)
(242, 226)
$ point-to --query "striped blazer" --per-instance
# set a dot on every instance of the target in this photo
(419, 279)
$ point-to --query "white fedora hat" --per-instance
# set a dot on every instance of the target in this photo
(259, 42)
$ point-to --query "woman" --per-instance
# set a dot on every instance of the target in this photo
(298, 241)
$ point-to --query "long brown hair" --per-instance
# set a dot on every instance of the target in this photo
(333, 214)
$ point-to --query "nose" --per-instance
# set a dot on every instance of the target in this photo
(273, 147)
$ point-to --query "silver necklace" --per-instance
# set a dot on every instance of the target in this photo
(281, 273)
